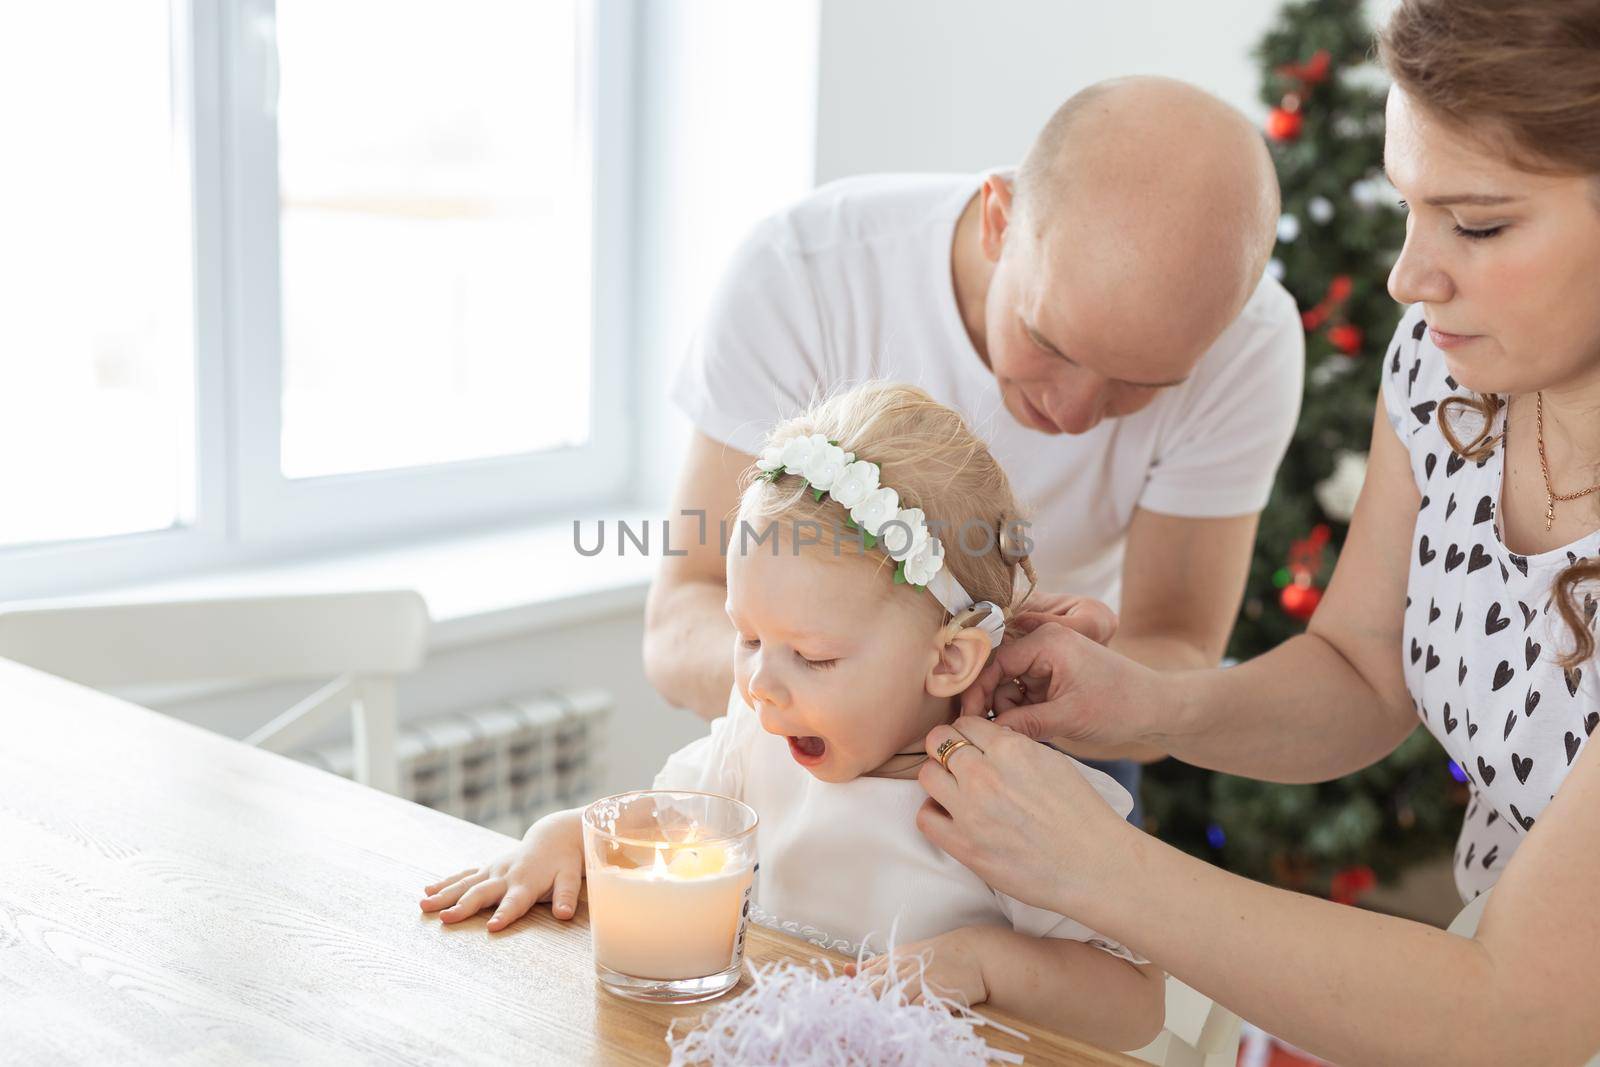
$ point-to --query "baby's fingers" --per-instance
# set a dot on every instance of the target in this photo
(478, 897)
(564, 897)
(453, 891)
(430, 890)
(517, 901)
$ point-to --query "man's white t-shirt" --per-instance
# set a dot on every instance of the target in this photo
(853, 283)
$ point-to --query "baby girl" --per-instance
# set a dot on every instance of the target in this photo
(868, 579)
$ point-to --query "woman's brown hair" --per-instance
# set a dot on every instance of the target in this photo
(1522, 77)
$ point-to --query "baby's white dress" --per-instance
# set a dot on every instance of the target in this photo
(841, 864)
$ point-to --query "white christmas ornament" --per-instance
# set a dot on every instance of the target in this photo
(1337, 494)
(1288, 228)
(1320, 210)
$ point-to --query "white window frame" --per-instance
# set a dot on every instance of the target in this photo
(246, 512)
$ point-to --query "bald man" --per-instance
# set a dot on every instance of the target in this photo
(1102, 318)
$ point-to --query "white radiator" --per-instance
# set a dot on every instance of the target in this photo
(501, 766)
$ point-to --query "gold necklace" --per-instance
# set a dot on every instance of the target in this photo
(1551, 496)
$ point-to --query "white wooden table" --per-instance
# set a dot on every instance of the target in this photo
(169, 896)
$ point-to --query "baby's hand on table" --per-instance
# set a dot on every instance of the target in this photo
(953, 967)
(546, 865)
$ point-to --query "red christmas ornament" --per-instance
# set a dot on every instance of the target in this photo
(1299, 601)
(1346, 338)
(1349, 884)
(1284, 125)
(1338, 292)
(1313, 71)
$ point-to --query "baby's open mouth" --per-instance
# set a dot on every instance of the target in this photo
(807, 750)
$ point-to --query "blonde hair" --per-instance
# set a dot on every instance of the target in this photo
(929, 456)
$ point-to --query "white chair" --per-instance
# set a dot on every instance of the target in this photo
(362, 639)
(1198, 1032)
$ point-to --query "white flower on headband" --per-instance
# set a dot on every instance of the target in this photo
(880, 506)
(824, 464)
(924, 563)
(874, 509)
(905, 533)
(855, 483)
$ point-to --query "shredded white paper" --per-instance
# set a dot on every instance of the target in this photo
(800, 1017)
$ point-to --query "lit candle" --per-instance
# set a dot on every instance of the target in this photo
(669, 878)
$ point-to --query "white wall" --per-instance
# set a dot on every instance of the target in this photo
(727, 102)
(942, 85)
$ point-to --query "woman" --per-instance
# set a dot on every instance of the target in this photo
(1464, 600)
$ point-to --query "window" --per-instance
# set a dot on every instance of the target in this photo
(96, 357)
(302, 275)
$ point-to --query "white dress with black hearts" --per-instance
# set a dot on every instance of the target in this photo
(1482, 634)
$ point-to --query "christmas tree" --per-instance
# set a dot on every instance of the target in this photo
(1339, 233)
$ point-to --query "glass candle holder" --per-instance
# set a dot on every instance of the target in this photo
(669, 875)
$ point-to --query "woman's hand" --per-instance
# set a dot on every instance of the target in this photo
(547, 865)
(1019, 815)
(951, 965)
(1055, 682)
(1086, 615)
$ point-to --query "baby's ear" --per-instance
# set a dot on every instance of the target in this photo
(959, 663)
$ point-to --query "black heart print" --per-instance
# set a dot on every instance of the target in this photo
(1505, 575)
(1426, 500)
(1494, 622)
(1416, 650)
(1460, 611)
(1479, 559)
(1424, 553)
(1424, 411)
(1472, 727)
(1590, 721)
(1521, 767)
(1394, 363)
(1472, 847)
(1493, 815)
(1461, 671)
(1432, 661)
(1521, 563)
(1574, 676)
(1450, 506)
(1485, 511)
(1530, 701)
(1451, 382)
(1452, 464)
(1416, 333)
(1531, 650)
(1503, 674)
(1511, 724)
(1428, 463)
(1528, 615)
(1488, 857)
(1450, 723)
(1411, 379)
(1573, 743)
(1486, 772)
(1433, 611)
(1453, 558)
(1526, 822)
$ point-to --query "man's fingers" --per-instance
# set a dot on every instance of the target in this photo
(1024, 719)
(564, 897)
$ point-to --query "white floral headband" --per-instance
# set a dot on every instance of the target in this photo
(874, 511)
